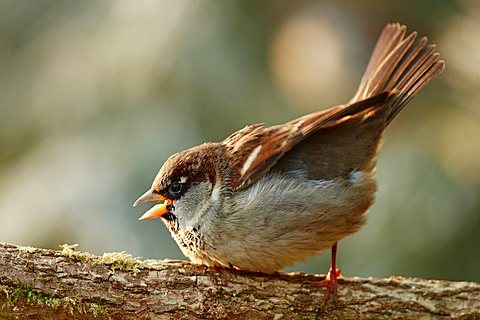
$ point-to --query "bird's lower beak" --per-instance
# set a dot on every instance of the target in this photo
(156, 211)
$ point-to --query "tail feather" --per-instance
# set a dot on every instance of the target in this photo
(429, 70)
(400, 64)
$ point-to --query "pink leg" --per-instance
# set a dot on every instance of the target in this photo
(330, 281)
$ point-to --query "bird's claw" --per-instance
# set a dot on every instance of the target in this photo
(331, 289)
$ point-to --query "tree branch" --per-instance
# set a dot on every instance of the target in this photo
(47, 284)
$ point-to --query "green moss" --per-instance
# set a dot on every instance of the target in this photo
(17, 294)
(23, 294)
(28, 249)
(48, 300)
(121, 261)
(96, 309)
(69, 250)
(115, 260)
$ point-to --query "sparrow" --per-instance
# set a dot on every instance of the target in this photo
(267, 197)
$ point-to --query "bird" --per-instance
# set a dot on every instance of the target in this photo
(267, 197)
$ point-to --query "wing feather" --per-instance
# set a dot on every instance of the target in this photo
(250, 162)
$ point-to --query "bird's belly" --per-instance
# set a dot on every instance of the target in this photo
(278, 247)
(280, 230)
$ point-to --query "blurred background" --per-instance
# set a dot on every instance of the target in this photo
(95, 95)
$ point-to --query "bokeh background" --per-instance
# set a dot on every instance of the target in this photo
(94, 96)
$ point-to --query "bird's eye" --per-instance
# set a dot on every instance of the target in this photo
(175, 188)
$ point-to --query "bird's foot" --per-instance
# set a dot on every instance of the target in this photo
(331, 289)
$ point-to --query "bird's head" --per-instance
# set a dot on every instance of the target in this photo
(184, 183)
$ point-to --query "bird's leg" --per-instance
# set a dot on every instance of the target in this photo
(333, 274)
(330, 281)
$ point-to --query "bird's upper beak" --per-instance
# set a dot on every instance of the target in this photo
(156, 211)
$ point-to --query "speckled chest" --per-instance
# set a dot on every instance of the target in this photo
(189, 239)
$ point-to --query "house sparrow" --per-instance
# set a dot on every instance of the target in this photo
(267, 197)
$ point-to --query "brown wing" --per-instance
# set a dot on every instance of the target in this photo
(333, 142)
(338, 149)
(255, 149)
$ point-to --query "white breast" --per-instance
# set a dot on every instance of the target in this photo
(281, 220)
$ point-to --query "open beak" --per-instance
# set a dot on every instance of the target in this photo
(156, 211)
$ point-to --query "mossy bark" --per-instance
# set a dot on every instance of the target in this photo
(47, 284)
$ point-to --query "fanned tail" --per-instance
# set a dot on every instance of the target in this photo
(402, 65)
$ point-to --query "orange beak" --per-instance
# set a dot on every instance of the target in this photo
(158, 210)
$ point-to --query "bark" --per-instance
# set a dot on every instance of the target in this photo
(67, 284)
